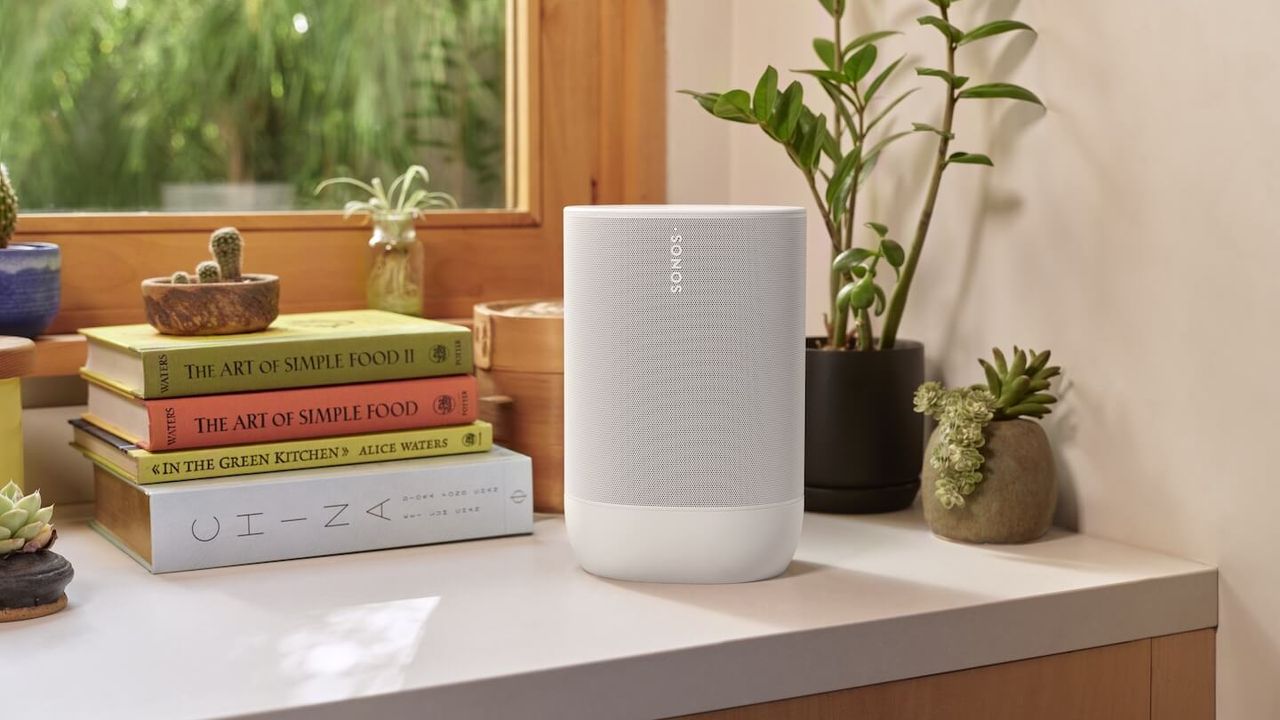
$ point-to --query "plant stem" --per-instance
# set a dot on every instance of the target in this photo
(898, 301)
(839, 323)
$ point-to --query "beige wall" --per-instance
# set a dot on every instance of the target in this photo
(1131, 229)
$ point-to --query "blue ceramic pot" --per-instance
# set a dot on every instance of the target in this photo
(30, 283)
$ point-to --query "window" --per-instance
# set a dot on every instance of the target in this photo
(581, 81)
(245, 105)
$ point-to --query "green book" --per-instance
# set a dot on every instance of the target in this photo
(301, 350)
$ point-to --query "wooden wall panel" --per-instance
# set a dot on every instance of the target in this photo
(1183, 676)
(1110, 682)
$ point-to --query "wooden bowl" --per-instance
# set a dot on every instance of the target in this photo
(222, 308)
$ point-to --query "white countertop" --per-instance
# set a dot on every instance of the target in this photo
(511, 627)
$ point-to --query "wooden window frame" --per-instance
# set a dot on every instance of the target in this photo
(590, 88)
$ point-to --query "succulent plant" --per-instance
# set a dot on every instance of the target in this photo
(180, 278)
(226, 245)
(1014, 389)
(1020, 387)
(24, 525)
(209, 272)
(8, 207)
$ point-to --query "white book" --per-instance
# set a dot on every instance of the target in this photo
(323, 511)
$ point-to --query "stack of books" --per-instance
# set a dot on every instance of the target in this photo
(328, 433)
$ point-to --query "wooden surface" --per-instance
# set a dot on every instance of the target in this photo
(533, 424)
(59, 355)
(17, 357)
(573, 145)
(1182, 676)
(1161, 678)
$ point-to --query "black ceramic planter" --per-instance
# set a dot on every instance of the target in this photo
(864, 442)
(32, 584)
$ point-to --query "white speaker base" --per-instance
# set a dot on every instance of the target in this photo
(683, 545)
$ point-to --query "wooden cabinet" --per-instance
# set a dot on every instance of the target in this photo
(1163, 678)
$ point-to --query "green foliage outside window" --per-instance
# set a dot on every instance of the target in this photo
(105, 103)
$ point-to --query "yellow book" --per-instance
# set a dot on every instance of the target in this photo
(142, 467)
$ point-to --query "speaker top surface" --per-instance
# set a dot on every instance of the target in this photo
(687, 211)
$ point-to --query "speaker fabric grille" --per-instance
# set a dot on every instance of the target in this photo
(688, 399)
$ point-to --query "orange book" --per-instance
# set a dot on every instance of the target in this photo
(295, 414)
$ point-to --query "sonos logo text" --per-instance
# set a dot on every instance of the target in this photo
(677, 262)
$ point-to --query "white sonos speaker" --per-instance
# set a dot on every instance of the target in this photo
(684, 390)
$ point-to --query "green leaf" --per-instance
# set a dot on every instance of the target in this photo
(860, 63)
(879, 229)
(849, 258)
(788, 111)
(857, 295)
(839, 99)
(835, 8)
(826, 51)
(964, 158)
(766, 96)
(993, 378)
(880, 79)
(1001, 90)
(706, 100)
(811, 148)
(880, 300)
(858, 271)
(943, 4)
(868, 38)
(734, 105)
(828, 75)
(955, 81)
(997, 27)
(1001, 365)
(840, 184)
(889, 108)
(949, 31)
(921, 127)
(892, 252)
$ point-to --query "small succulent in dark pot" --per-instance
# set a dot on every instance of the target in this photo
(30, 273)
(218, 299)
(32, 578)
(990, 474)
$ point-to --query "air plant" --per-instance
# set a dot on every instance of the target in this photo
(384, 203)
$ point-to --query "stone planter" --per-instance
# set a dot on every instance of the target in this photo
(32, 584)
(30, 287)
(221, 308)
(863, 439)
(1017, 496)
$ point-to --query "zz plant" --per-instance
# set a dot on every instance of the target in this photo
(837, 156)
(1014, 389)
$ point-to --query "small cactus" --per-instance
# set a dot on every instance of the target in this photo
(209, 272)
(1020, 386)
(24, 525)
(225, 244)
(8, 207)
(180, 278)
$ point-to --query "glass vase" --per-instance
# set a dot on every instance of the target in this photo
(395, 266)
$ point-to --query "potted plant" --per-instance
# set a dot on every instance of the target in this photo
(218, 299)
(990, 476)
(32, 578)
(864, 444)
(395, 256)
(30, 273)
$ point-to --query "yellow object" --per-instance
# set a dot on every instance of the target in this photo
(11, 431)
